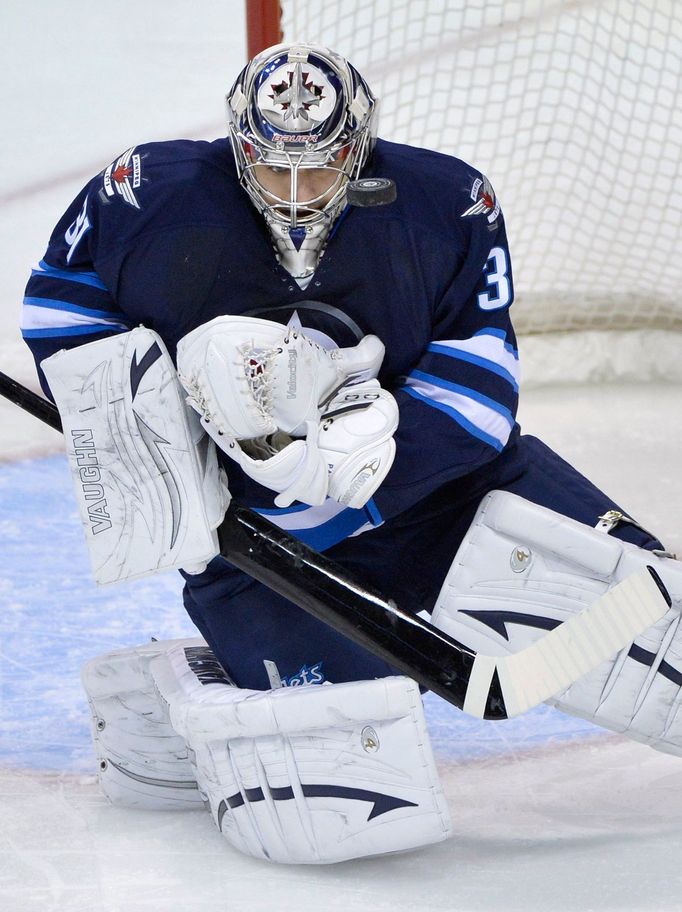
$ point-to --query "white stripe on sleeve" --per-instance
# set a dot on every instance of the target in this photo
(479, 419)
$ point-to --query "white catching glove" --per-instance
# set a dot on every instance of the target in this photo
(356, 439)
(251, 377)
(294, 468)
(346, 455)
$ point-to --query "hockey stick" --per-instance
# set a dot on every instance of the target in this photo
(485, 686)
(27, 400)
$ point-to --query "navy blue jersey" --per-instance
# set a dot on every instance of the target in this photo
(166, 237)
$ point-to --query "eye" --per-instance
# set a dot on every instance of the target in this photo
(274, 169)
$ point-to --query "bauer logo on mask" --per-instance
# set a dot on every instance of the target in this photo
(297, 98)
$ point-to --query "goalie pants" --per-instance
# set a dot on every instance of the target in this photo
(407, 558)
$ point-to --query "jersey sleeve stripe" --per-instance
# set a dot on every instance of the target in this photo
(420, 380)
(43, 322)
(481, 422)
(49, 288)
(487, 342)
(67, 307)
(499, 334)
(69, 275)
(323, 526)
(374, 513)
(469, 377)
(472, 352)
(55, 332)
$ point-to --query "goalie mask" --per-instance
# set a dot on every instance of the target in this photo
(302, 124)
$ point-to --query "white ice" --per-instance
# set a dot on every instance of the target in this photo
(550, 813)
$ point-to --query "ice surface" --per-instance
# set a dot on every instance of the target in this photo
(550, 813)
(576, 828)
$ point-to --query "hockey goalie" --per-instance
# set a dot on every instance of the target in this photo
(215, 321)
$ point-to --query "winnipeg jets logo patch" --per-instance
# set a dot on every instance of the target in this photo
(297, 95)
(296, 100)
(123, 177)
(485, 203)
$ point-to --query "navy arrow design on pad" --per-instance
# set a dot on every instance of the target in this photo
(498, 620)
(382, 804)
(137, 371)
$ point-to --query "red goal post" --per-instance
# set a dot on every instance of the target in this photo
(574, 110)
(263, 25)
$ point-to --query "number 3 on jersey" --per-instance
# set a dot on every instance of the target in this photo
(495, 273)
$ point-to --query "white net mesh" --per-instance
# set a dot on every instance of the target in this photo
(573, 109)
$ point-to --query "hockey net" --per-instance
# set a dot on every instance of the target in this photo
(574, 110)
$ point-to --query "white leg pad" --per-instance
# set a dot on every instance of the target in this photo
(142, 762)
(310, 775)
(522, 570)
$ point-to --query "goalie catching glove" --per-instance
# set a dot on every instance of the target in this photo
(346, 454)
(251, 377)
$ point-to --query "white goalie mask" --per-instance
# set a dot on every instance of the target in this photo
(302, 123)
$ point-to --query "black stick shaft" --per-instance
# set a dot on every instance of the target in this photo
(322, 588)
(319, 586)
(36, 405)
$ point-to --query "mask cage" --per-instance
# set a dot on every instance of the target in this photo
(344, 159)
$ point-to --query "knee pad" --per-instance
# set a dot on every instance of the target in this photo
(522, 570)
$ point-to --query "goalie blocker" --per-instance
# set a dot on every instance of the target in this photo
(146, 476)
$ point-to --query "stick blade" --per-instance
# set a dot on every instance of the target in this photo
(573, 649)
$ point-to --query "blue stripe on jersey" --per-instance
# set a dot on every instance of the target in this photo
(71, 308)
(464, 391)
(500, 334)
(44, 286)
(478, 363)
(328, 533)
(280, 511)
(374, 512)
(70, 275)
(474, 359)
(458, 417)
(55, 332)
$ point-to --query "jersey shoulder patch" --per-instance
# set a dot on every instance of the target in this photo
(484, 201)
(123, 179)
(169, 163)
